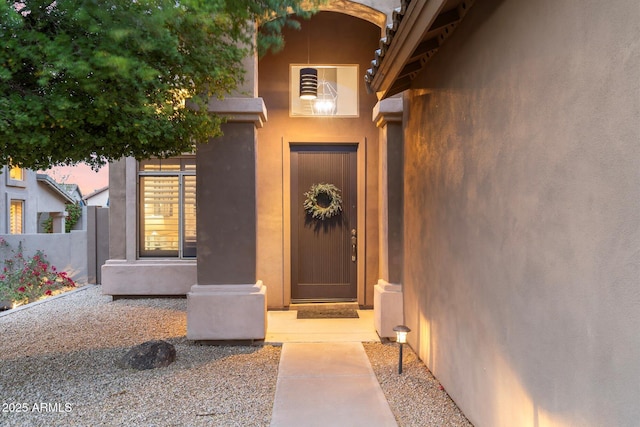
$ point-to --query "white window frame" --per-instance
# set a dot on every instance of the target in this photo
(15, 182)
(346, 87)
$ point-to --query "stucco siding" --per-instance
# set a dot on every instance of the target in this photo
(48, 201)
(522, 238)
(117, 209)
(65, 251)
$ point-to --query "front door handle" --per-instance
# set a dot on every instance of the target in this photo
(354, 245)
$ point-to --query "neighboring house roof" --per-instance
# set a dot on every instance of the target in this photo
(416, 33)
(73, 190)
(55, 187)
(95, 194)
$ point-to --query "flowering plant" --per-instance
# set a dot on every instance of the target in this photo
(27, 279)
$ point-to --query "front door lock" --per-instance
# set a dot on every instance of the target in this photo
(354, 245)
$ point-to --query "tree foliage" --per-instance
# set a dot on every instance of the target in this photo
(96, 80)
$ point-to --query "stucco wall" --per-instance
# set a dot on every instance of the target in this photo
(335, 39)
(66, 251)
(117, 209)
(48, 201)
(97, 219)
(227, 212)
(100, 199)
(522, 213)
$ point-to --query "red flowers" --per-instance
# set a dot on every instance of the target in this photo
(25, 279)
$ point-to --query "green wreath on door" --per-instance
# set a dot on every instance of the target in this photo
(323, 201)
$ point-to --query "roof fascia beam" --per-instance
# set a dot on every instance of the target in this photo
(424, 48)
(445, 19)
(416, 23)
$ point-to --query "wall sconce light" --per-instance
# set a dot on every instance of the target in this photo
(308, 83)
(401, 338)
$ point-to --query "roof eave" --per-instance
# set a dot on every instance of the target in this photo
(418, 30)
(419, 15)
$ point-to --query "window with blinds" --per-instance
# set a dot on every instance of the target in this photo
(16, 217)
(189, 223)
(168, 208)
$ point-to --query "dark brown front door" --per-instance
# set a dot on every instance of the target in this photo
(324, 251)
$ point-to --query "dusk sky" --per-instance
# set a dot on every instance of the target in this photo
(87, 179)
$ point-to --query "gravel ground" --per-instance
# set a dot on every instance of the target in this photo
(415, 397)
(58, 368)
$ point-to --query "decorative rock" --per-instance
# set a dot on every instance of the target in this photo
(149, 355)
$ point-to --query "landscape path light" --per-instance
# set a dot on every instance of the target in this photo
(401, 338)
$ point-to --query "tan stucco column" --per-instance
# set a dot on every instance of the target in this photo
(228, 302)
(387, 297)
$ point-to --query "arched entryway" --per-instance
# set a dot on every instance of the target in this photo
(328, 41)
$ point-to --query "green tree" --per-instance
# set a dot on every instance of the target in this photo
(95, 80)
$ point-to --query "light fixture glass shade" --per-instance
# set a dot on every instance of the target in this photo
(326, 102)
(323, 107)
(401, 333)
(308, 83)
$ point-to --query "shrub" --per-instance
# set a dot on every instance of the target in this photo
(27, 279)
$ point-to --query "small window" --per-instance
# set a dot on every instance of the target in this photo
(337, 92)
(161, 165)
(15, 176)
(16, 217)
(16, 173)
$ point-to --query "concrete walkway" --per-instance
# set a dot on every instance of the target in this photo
(328, 384)
(324, 376)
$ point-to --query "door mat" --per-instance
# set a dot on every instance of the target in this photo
(328, 313)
